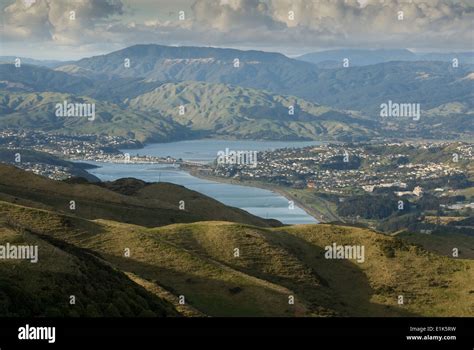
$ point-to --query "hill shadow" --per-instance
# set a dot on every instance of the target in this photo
(348, 294)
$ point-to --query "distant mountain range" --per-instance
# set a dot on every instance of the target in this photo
(149, 111)
(26, 60)
(242, 94)
(359, 88)
(355, 57)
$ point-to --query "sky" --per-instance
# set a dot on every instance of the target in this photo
(45, 29)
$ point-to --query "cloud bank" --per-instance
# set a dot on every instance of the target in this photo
(280, 25)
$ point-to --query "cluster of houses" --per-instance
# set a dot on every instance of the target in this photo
(313, 167)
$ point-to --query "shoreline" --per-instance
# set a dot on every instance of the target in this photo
(308, 210)
(192, 170)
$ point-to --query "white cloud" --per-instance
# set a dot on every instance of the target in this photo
(251, 23)
(51, 20)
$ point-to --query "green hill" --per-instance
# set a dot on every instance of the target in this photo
(151, 205)
(248, 102)
(442, 243)
(197, 261)
(257, 69)
(210, 110)
(121, 238)
(37, 111)
(427, 81)
(72, 79)
(237, 112)
(221, 268)
(44, 289)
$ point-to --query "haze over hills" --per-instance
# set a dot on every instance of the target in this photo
(361, 57)
(430, 84)
(27, 60)
(197, 260)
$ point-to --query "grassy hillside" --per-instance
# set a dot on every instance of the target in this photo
(430, 84)
(210, 109)
(364, 88)
(71, 79)
(249, 102)
(234, 111)
(442, 243)
(31, 78)
(198, 261)
(43, 289)
(37, 111)
(131, 201)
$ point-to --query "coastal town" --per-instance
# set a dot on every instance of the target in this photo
(403, 168)
(345, 168)
(83, 148)
(384, 185)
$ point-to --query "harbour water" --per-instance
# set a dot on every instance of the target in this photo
(264, 203)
